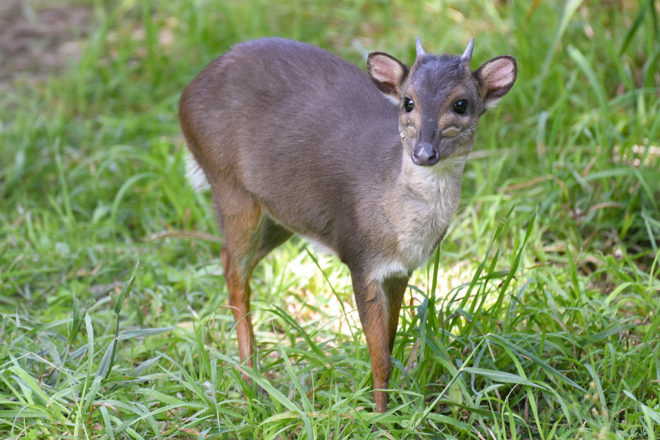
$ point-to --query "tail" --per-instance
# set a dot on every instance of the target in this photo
(195, 174)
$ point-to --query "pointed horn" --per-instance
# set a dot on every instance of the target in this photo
(420, 49)
(467, 55)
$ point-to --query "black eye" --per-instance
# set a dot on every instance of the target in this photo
(408, 104)
(460, 106)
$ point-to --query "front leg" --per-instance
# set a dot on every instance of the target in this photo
(378, 305)
(394, 290)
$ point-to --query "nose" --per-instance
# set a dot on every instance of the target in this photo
(425, 154)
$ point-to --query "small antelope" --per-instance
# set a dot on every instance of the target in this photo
(294, 139)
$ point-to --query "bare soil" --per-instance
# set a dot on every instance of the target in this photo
(39, 38)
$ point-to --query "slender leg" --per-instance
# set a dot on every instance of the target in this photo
(379, 305)
(249, 235)
(370, 300)
(237, 264)
(394, 290)
(239, 301)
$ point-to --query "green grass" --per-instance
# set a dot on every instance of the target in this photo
(545, 319)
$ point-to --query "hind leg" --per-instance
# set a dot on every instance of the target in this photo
(249, 235)
(239, 302)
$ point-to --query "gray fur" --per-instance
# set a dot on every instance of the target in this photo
(311, 138)
(292, 138)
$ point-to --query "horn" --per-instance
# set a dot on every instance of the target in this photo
(467, 55)
(420, 49)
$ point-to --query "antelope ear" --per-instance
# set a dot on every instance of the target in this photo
(496, 77)
(387, 73)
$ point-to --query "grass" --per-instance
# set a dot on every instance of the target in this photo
(538, 317)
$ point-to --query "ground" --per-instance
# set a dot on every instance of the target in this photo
(38, 39)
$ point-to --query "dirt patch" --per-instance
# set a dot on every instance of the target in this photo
(39, 38)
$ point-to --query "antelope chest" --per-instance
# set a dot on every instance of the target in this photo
(424, 223)
(420, 214)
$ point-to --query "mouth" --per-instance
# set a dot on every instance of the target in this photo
(444, 150)
(453, 150)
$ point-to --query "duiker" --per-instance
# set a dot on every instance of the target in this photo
(293, 139)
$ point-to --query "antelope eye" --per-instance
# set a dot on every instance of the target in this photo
(460, 106)
(408, 104)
